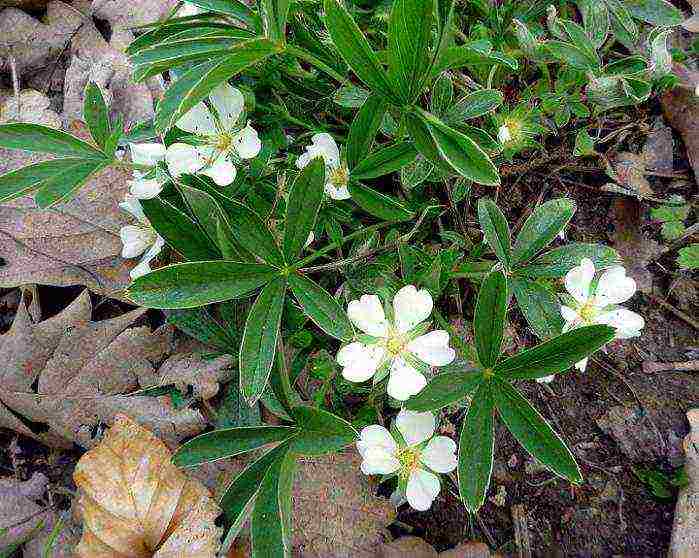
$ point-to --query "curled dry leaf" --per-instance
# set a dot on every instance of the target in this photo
(31, 106)
(136, 503)
(20, 514)
(335, 511)
(681, 108)
(69, 374)
(184, 370)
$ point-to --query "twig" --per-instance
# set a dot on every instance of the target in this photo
(669, 307)
(484, 529)
(522, 539)
(689, 366)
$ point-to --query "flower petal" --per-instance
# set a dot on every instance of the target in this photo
(423, 488)
(247, 143)
(440, 454)
(614, 287)
(145, 189)
(546, 379)
(411, 307)
(221, 171)
(144, 265)
(578, 280)
(570, 316)
(198, 121)
(581, 365)
(182, 158)
(133, 206)
(415, 427)
(146, 153)
(322, 145)
(627, 323)
(368, 315)
(378, 450)
(404, 380)
(359, 361)
(135, 240)
(229, 104)
(433, 348)
(337, 193)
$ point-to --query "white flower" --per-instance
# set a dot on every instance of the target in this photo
(395, 344)
(600, 305)
(336, 173)
(416, 458)
(188, 9)
(139, 238)
(145, 155)
(504, 134)
(223, 140)
(309, 240)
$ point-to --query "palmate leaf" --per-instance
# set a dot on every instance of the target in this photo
(540, 228)
(62, 186)
(96, 114)
(192, 284)
(533, 432)
(320, 432)
(363, 130)
(320, 307)
(445, 389)
(37, 138)
(233, 8)
(559, 261)
(385, 160)
(177, 52)
(539, 305)
(260, 340)
(378, 204)
(302, 207)
(495, 229)
(474, 105)
(195, 84)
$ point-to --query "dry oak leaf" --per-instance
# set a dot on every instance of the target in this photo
(681, 109)
(136, 503)
(335, 510)
(69, 374)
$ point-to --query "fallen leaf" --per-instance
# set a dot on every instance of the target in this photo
(659, 149)
(335, 511)
(21, 516)
(204, 376)
(636, 250)
(70, 375)
(135, 502)
(123, 15)
(681, 109)
(629, 173)
(31, 106)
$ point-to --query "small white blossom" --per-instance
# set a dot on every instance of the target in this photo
(504, 134)
(145, 155)
(416, 458)
(188, 9)
(140, 238)
(222, 139)
(395, 344)
(600, 305)
(336, 173)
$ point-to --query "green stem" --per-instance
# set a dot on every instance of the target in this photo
(330, 247)
(314, 61)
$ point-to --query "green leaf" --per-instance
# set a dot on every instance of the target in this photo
(459, 151)
(192, 284)
(445, 389)
(556, 355)
(378, 204)
(42, 139)
(180, 232)
(409, 29)
(351, 96)
(320, 307)
(199, 324)
(533, 432)
(622, 20)
(25, 180)
(573, 56)
(270, 521)
(427, 147)
(559, 261)
(539, 305)
(385, 161)
(302, 207)
(476, 446)
(495, 230)
(242, 490)
(474, 105)
(274, 15)
(689, 257)
(96, 114)
(363, 130)
(489, 318)
(228, 442)
(176, 53)
(320, 432)
(540, 228)
(355, 49)
(195, 84)
(260, 340)
(62, 186)
(655, 12)
(233, 8)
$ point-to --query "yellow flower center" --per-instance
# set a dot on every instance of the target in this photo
(587, 311)
(409, 459)
(224, 142)
(339, 176)
(514, 127)
(394, 345)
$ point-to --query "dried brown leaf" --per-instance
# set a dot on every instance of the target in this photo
(681, 108)
(335, 511)
(136, 503)
(70, 374)
(204, 376)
